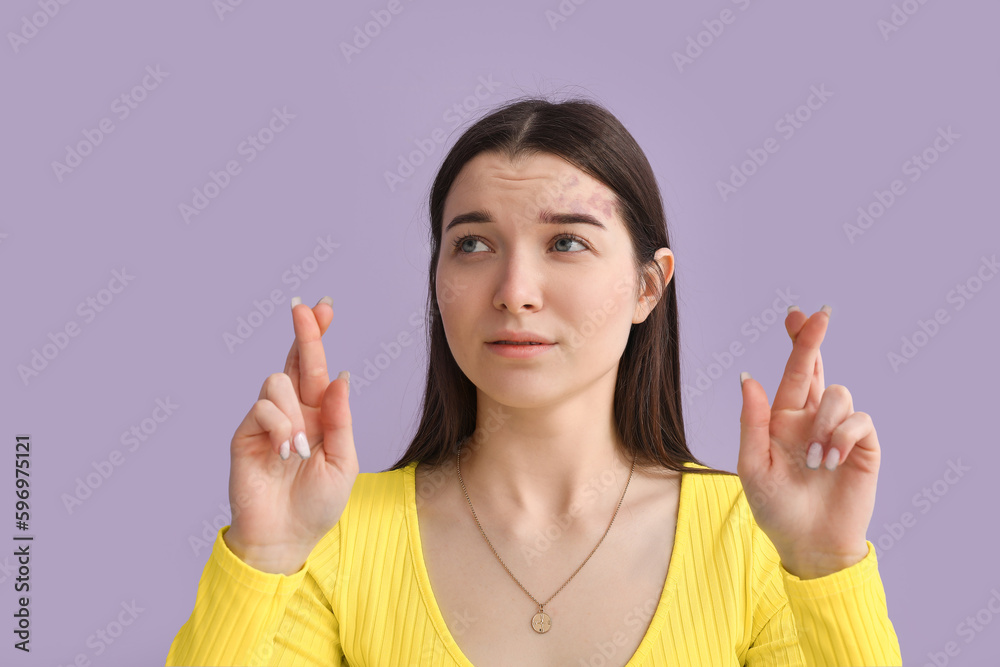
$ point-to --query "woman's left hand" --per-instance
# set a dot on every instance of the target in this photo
(817, 518)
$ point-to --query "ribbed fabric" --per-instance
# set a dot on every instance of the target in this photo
(364, 596)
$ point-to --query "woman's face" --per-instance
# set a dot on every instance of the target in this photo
(570, 283)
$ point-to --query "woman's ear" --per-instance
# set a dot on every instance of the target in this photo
(649, 294)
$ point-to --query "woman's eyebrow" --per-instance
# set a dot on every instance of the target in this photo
(545, 217)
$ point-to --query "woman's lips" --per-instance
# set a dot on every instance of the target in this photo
(519, 350)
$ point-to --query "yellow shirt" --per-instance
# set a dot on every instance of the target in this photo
(364, 596)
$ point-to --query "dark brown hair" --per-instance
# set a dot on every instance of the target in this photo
(647, 398)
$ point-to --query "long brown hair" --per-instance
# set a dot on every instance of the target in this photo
(647, 398)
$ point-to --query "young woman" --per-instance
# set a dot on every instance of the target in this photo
(548, 510)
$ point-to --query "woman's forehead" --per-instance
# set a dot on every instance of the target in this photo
(549, 183)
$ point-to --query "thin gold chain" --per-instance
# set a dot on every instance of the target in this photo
(541, 605)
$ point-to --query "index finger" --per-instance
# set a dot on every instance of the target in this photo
(793, 391)
(306, 363)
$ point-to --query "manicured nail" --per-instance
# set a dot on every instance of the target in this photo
(296, 300)
(826, 309)
(832, 458)
(743, 376)
(815, 456)
(327, 300)
(345, 375)
(302, 445)
(284, 450)
(793, 307)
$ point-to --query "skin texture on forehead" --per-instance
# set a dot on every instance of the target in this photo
(606, 206)
(566, 188)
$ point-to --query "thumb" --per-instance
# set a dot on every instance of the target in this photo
(338, 431)
(755, 419)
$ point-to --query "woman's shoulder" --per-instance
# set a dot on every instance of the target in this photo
(376, 509)
(374, 518)
(380, 489)
(720, 492)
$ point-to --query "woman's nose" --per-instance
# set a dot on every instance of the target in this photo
(519, 285)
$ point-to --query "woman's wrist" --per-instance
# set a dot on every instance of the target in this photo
(273, 559)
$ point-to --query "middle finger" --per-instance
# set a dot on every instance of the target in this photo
(793, 390)
(793, 324)
(323, 318)
(307, 359)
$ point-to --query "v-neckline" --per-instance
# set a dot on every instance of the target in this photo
(656, 623)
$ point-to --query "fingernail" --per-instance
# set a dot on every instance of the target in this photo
(743, 376)
(815, 456)
(345, 375)
(284, 450)
(302, 445)
(296, 300)
(832, 458)
(826, 309)
(793, 307)
(327, 300)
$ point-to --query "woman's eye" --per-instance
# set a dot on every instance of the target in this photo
(570, 240)
(464, 245)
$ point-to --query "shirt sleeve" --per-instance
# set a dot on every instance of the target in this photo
(243, 616)
(840, 619)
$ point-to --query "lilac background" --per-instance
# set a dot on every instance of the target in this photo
(323, 176)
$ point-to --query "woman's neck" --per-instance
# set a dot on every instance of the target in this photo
(544, 461)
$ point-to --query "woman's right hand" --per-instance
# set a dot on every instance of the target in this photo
(282, 507)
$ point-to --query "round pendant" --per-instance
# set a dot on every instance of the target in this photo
(541, 622)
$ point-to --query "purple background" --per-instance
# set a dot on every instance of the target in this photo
(323, 176)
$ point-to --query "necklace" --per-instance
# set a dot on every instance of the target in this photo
(541, 622)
